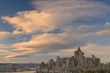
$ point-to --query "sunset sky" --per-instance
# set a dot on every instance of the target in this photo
(37, 30)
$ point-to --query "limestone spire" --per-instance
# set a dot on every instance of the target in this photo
(79, 48)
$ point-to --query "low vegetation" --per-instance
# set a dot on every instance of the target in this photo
(97, 71)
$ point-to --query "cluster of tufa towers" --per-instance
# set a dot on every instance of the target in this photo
(69, 65)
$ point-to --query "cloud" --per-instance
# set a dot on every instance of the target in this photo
(17, 32)
(72, 37)
(104, 32)
(8, 54)
(96, 49)
(42, 42)
(4, 34)
(31, 21)
(54, 14)
(51, 15)
(15, 55)
(4, 50)
(71, 9)
(48, 43)
(101, 51)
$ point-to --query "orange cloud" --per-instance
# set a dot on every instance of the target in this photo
(4, 34)
(31, 21)
(14, 55)
(41, 40)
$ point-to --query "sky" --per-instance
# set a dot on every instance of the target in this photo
(32, 31)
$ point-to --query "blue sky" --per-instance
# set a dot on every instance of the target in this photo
(10, 7)
(34, 28)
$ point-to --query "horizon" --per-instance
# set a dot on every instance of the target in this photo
(32, 31)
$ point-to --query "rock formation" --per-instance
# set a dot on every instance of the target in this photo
(73, 64)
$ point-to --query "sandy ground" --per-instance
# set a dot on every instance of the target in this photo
(26, 72)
